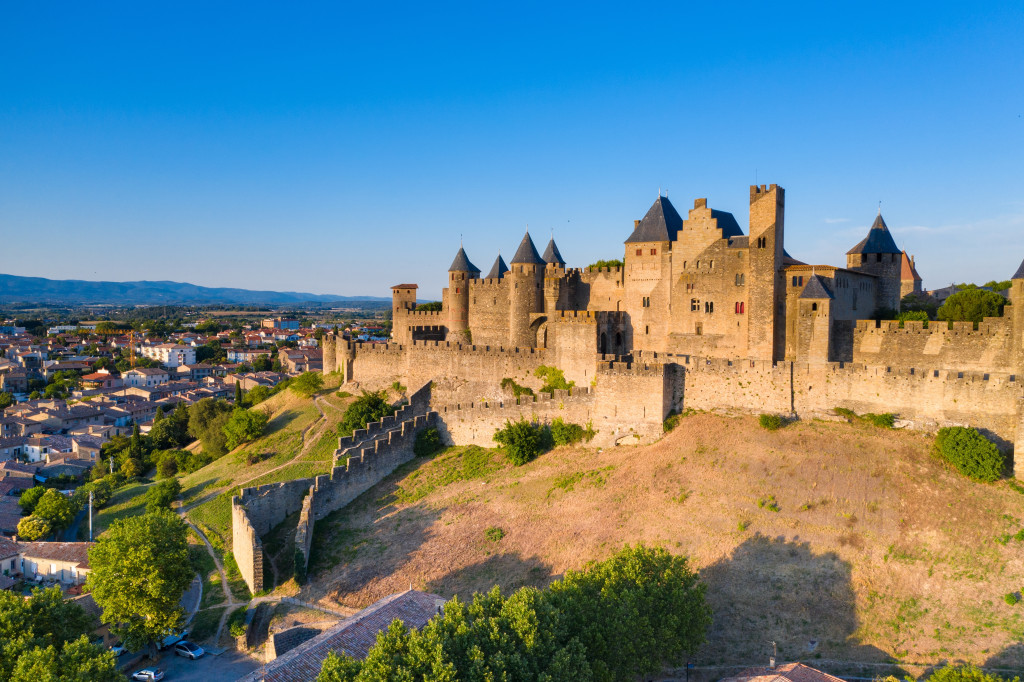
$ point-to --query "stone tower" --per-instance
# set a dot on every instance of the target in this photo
(526, 293)
(877, 254)
(459, 275)
(1017, 312)
(554, 276)
(647, 274)
(330, 363)
(766, 325)
(814, 323)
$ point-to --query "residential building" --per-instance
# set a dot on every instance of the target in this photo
(67, 562)
(170, 354)
(246, 354)
(101, 379)
(280, 323)
(788, 672)
(145, 376)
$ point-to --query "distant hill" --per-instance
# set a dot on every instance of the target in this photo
(14, 289)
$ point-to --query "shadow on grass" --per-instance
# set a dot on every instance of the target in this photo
(508, 571)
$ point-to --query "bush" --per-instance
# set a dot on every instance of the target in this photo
(964, 673)
(307, 384)
(1011, 598)
(494, 534)
(913, 315)
(371, 406)
(564, 433)
(509, 384)
(428, 441)
(885, 420)
(554, 379)
(771, 422)
(161, 495)
(521, 440)
(971, 453)
(244, 426)
(236, 623)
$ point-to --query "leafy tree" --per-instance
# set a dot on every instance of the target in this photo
(206, 422)
(140, 569)
(613, 263)
(172, 431)
(428, 441)
(6, 400)
(554, 378)
(432, 306)
(159, 416)
(965, 673)
(1002, 285)
(971, 305)
(33, 528)
(79, 660)
(55, 509)
(167, 465)
(262, 364)
(239, 396)
(971, 453)
(30, 498)
(44, 620)
(131, 469)
(308, 383)
(371, 406)
(257, 395)
(244, 426)
(35, 395)
(915, 315)
(521, 441)
(161, 495)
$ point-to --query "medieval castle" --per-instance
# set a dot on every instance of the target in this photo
(698, 316)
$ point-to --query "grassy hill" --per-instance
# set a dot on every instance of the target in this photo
(837, 541)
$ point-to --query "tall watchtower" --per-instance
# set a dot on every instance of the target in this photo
(459, 276)
(766, 326)
(526, 293)
(1017, 311)
(877, 254)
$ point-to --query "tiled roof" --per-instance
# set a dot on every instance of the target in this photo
(499, 268)
(879, 240)
(406, 286)
(527, 252)
(661, 224)
(462, 264)
(72, 552)
(816, 288)
(907, 269)
(8, 548)
(551, 254)
(790, 672)
(354, 636)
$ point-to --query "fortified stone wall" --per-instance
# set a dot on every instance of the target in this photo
(633, 399)
(304, 533)
(246, 546)
(988, 349)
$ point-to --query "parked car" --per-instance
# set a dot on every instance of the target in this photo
(171, 640)
(117, 649)
(148, 675)
(188, 650)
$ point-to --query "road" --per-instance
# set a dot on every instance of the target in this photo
(227, 667)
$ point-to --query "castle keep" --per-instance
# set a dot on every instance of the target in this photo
(700, 315)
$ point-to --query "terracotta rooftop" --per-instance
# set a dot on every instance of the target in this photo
(353, 636)
(77, 552)
(791, 672)
(907, 269)
(8, 548)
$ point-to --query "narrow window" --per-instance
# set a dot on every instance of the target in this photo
(709, 306)
(698, 328)
(711, 264)
(814, 306)
(647, 329)
(694, 305)
(639, 252)
(654, 252)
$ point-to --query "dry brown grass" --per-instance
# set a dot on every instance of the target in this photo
(877, 550)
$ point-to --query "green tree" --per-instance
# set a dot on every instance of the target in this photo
(79, 660)
(244, 426)
(239, 396)
(971, 305)
(42, 621)
(167, 465)
(308, 384)
(612, 263)
(371, 406)
(33, 528)
(554, 378)
(965, 673)
(6, 400)
(1001, 285)
(521, 441)
(140, 569)
(55, 509)
(131, 469)
(30, 498)
(262, 364)
(257, 395)
(206, 422)
(161, 495)
(432, 306)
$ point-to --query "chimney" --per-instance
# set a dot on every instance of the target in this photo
(636, 224)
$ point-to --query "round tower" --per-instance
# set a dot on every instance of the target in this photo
(877, 254)
(330, 360)
(526, 293)
(344, 354)
(460, 274)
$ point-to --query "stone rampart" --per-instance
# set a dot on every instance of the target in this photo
(304, 535)
(246, 546)
(942, 346)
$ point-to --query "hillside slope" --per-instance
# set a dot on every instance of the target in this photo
(876, 550)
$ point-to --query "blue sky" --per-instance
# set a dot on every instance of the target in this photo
(342, 149)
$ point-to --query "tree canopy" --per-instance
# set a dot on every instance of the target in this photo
(140, 569)
(307, 384)
(245, 426)
(615, 620)
(971, 305)
(371, 406)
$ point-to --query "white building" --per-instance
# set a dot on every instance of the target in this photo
(145, 376)
(170, 354)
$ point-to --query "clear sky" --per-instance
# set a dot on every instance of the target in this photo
(342, 148)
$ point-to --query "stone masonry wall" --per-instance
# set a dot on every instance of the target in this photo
(987, 349)
(304, 532)
(246, 546)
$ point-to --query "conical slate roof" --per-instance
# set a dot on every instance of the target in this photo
(816, 288)
(661, 224)
(527, 253)
(879, 240)
(462, 264)
(498, 270)
(1020, 272)
(551, 254)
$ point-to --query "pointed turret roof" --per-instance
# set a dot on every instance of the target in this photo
(1020, 272)
(879, 240)
(527, 252)
(908, 271)
(498, 270)
(551, 254)
(462, 264)
(816, 288)
(661, 224)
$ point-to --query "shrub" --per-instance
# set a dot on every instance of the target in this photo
(244, 426)
(672, 421)
(554, 379)
(564, 433)
(521, 440)
(771, 422)
(236, 623)
(914, 315)
(843, 412)
(494, 534)
(971, 453)
(371, 406)
(769, 503)
(343, 394)
(307, 384)
(161, 495)
(886, 420)
(397, 387)
(428, 441)
(1011, 598)
(509, 384)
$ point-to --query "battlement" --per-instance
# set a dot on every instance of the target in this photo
(464, 348)
(423, 313)
(631, 368)
(486, 282)
(576, 317)
(615, 269)
(576, 394)
(757, 191)
(987, 327)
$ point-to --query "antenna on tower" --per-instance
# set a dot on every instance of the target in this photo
(879, 207)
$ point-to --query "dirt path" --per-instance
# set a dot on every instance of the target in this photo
(230, 599)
